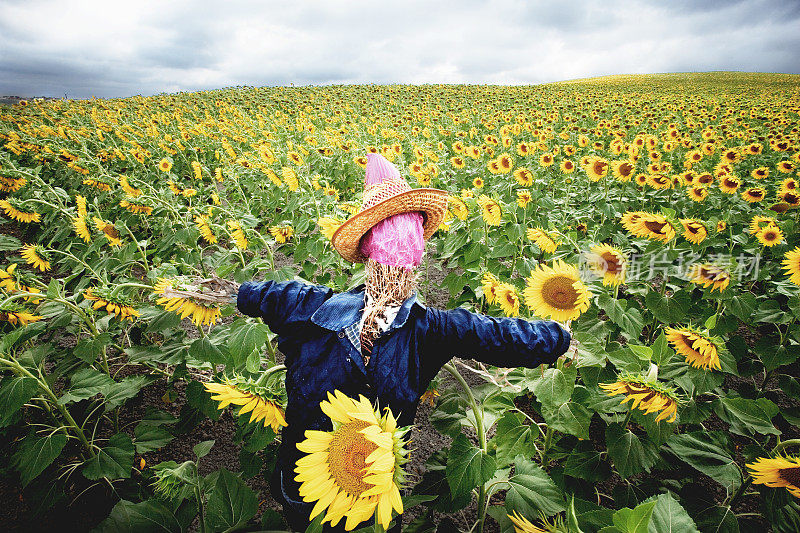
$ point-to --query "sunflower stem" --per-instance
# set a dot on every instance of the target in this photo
(785, 444)
(262, 380)
(481, 438)
(627, 419)
(740, 492)
(141, 251)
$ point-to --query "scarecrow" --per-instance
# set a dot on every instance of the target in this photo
(378, 340)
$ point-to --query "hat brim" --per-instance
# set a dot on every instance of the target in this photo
(432, 203)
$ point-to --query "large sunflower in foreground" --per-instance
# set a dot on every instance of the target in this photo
(251, 399)
(556, 292)
(699, 351)
(791, 264)
(646, 395)
(354, 471)
(777, 472)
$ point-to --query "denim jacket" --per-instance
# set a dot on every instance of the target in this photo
(316, 333)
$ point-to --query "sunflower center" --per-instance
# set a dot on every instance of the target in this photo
(612, 264)
(654, 226)
(790, 475)
(348, 451)
(559, 292)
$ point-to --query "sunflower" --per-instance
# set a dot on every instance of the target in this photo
(129, 190)
(8, 282)
(785, 166)
(789, 184)
(35, 256)
(457, 162)
(204, 228)
(597, 168)
(790, 197)
(477, 183)
(659, 181)
(758, 221)
(709, 275)
(281, 233)
(754, 194)
(556, 292)
(20, 216)
(165, 165)
(238, 234)
(491, 287)
(609, 262)
(251, 398)
(201, 313)
(791, 264)
(770, 235)
(97, 184)
(567, 167)
(646, 395)
(9, 184)
(697, 194)
(523, 198)
(108, 229)
(81, 229)
(544, 240)
(505, 162)
(523, 176)
(760, 173)
(652, 226)
(622, 170)
(113, 306)
(729, 183)
(699, 351)
(721, 226)
(490, 210)
(354, 471)
(522, 525)
(458, 207)
(136, 208)
(16, 316)
(777, 472)
(694, 230)
(508, 299)
(290, 178)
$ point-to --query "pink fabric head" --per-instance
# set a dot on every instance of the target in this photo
(397, 240)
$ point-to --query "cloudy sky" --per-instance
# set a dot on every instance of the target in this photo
(107, 48)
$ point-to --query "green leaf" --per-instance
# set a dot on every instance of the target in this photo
(629, 454)
(245, 337)
(14, 393)
(668, 309)
(20, 335)
(161, 320)
(90, 350)
(232, 503)
(513, 438)
(748, 417)
(555, 386)
(9, 243)
(201, 449)
(150, 516)
(662, 352)
(704, 451)
(531, 490)
(118, 393)
(670, 517)
(570, 417)
(113, 461)
(35, 454)
(629, 320)
(769, 311)
(85, 383)
(467, 466)
(718, 520)
(204, 350)
(150, 437)
(585, 462)
(774, 355)
(635, 520)
(742, 306)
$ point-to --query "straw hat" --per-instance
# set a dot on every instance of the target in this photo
(387, 194)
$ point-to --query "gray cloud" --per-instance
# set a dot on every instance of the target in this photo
(97, 48)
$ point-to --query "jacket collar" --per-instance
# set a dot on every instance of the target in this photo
(345, 308)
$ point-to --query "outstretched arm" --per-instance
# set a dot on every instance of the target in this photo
(503, 342)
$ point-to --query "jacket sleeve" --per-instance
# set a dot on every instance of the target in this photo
(505, 342)
(281, 305)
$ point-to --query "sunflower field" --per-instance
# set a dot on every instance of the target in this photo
(657, 215)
